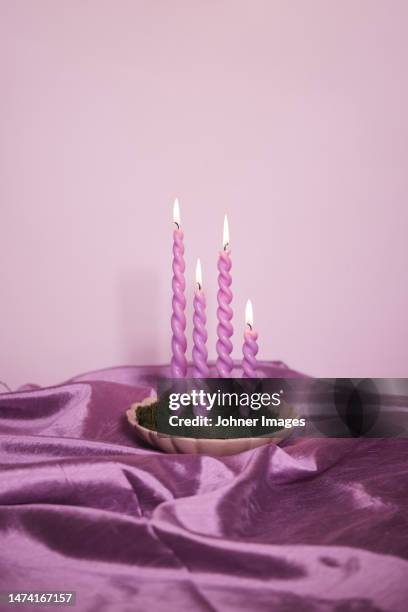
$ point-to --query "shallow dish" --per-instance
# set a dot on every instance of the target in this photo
(202, 446)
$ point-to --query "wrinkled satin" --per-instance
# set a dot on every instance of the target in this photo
(312, 525)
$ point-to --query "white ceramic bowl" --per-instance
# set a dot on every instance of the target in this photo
(203, 446)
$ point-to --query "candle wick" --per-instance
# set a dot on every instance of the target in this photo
(178, 226)
(199, 286)
(226, 245)
(250, 326)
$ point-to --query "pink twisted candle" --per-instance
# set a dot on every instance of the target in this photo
(178, 318)
(225, 329)
(200, 354)
(250, 346)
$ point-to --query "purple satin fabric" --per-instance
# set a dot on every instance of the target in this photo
(312, 525)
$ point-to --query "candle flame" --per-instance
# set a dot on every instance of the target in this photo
(199, 276)
(226, 237)
(176, 212)
(249, 314)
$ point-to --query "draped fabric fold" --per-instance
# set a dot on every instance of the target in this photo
(313, 524)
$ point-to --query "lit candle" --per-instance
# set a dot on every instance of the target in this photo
(200, 354)
(225, 330)
(250, 347)
(178, 318)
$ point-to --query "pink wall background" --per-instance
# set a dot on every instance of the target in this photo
(289, 116)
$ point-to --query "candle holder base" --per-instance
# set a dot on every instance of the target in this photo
(141, 416)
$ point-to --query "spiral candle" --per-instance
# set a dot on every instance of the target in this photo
(250, 346)
(225, 330)
(178, 319)
(200, 354)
